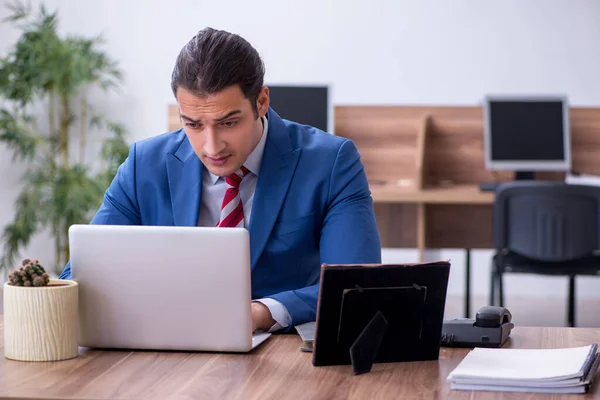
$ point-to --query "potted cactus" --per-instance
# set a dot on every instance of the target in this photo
(41, 315)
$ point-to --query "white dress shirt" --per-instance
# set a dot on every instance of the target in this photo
(213, 191)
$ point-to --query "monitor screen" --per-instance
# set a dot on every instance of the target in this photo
(527, 134)
(307, 105)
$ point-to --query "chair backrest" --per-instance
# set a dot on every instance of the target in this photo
(548, 221)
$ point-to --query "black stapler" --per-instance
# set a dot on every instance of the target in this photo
(490, 328)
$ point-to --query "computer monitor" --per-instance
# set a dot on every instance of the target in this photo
(527, 134)
(305, 104)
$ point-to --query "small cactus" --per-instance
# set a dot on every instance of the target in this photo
(30, 274)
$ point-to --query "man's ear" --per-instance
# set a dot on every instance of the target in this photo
(263, 101)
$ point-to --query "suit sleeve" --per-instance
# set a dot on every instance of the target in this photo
(349, 233)
(120, 206)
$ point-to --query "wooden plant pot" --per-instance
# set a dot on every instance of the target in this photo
(41, 323)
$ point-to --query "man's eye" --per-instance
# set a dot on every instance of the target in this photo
(191, 125)
(229, 124)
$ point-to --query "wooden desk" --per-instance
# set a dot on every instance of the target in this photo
(452, 194)
(275, 370)
(439, 215)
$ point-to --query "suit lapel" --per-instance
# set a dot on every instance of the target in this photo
(276, 172)
(184, 171)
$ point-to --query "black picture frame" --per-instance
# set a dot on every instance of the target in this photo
(379, 313)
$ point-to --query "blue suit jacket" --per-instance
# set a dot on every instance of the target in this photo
(312, 205)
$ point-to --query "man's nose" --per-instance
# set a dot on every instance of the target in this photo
(213, 146)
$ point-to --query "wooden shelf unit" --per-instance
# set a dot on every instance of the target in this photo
(425, 164)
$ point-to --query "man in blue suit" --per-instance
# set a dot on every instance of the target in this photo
(301, 193)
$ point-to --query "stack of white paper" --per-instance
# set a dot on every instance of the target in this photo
(569, 370)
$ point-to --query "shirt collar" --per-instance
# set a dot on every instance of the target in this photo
(255, 158)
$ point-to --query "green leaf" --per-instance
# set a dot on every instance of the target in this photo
(19, 11)
(14, 133)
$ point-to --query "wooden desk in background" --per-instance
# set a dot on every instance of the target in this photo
(275, 370)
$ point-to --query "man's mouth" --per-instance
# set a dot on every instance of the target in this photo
(217, 161)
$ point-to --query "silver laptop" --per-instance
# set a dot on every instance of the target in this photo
(163, 288)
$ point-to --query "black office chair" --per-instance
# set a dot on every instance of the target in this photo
(548, 228)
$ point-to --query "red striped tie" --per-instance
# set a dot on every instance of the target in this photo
(232, 211)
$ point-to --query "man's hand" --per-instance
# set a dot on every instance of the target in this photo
(261, 317)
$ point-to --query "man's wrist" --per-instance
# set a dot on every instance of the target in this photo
(279, 312)
(261, 317)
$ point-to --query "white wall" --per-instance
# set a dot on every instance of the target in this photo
(371, 52)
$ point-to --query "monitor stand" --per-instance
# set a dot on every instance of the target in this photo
(519, 176)
(524, 176)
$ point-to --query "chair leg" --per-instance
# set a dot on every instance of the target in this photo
(500, 289)
(571, 301)
(493, 284)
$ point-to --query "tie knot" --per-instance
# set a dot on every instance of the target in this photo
(236, 178)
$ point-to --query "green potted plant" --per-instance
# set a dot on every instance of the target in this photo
(71, 153)
(41, 315)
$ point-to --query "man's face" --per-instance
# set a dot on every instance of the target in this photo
(222, 127)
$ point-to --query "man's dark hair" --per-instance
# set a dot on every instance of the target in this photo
(214, 60)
